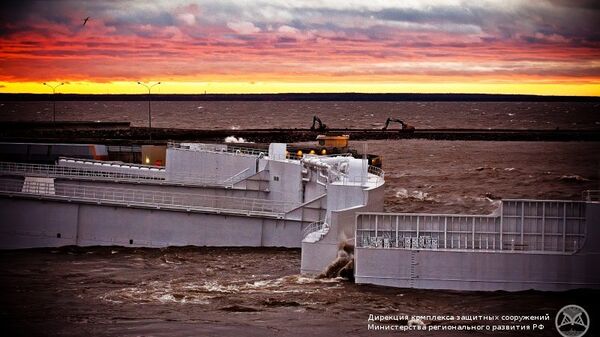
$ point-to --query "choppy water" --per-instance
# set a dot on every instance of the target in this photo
(258, 292)
(224, 115)
(222, 291)
(470, 176)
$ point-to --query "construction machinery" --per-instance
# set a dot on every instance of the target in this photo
(317, 120)
(403, 126)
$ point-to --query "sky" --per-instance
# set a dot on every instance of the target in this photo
(548, 47)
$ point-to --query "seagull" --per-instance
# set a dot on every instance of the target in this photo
(85, 20)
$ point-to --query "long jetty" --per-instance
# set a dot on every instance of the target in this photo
(123, 132)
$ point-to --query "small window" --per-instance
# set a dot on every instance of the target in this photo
(322, 142)
(275, 178)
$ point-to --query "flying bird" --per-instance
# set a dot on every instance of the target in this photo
(85, 20)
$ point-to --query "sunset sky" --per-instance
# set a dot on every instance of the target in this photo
(549, 47)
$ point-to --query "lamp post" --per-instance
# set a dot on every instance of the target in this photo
(149, 107)
(53, 99)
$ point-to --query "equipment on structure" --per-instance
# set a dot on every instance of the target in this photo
(403, 125)
(332, 144)
(333, 141)
(316, 120)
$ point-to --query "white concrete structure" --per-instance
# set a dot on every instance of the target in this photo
(207, 195)
(548, 245)
(351, 188)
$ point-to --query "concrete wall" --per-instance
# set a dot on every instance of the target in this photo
(311, 211)
(592, 214)
(285, 183)
(343, 197)
(489, 271)
(316, 256)
(221, 165)
(258, 182)
(33, 223)
(485, 270)
(28, 223)
(312, 189)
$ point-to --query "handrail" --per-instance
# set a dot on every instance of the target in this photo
(106, 163)
(236, 177)
(139, 175)
(359, 180)
(67, 171)
(591, 195)
(313, 227)
(200, 147)
(376, 171)
(153, 198)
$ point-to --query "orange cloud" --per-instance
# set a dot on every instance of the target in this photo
(333, 44)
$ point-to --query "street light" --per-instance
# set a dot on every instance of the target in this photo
(53, 99)
(149, 107)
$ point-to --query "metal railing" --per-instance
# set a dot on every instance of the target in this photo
(360, 180)
(217, 148)
(55, 171)
(104, 164)
(551, 227)
(313, 227)
(376, 171)
(150, 198)
(375, 176)
(245, 173)
(591, 195)
(142, 174)
(191, 179)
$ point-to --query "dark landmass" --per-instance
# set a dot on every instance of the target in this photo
(303, 97)
(124, 133)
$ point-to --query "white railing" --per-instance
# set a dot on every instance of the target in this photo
(523, 226)
(374, 177)
(313, 228)
(55, 171)
(245, 173)
(591, 195)
(376, 171)
(217, 148)
(295, 156)
(150, 198)
(192, 179)
(370, 179)
(104, 164)
(145, 174)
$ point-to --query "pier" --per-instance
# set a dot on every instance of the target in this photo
(120, 133)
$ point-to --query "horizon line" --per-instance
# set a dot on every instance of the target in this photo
(301, 93)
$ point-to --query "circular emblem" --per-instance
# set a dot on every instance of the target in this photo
(572, 321)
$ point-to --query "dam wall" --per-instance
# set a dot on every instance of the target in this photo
(544, 245)
(317, 255)
(31, 222)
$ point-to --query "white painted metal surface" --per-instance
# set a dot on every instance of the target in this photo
(314, 231)
(524, 226)
(150, 198)
(98, 170)
(549, 245)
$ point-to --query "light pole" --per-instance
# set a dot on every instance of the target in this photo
(53, 99)
(149, 107)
